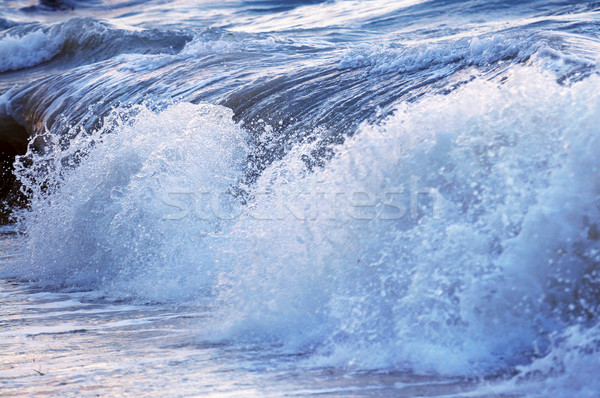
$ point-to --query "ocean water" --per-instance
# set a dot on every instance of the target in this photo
(300, 198)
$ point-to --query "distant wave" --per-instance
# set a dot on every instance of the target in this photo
(84, 39)
(28, 50)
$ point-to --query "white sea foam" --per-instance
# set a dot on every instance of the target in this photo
(101, 223)
(506, 261)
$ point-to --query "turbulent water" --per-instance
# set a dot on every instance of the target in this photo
(273, 198)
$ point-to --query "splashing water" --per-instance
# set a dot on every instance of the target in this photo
(280, 192)
(456, 236)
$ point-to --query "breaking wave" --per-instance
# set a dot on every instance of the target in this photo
(458, 235)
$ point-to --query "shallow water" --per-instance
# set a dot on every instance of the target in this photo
(388, 198)
(79, 343)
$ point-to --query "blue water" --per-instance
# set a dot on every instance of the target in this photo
(274, 198)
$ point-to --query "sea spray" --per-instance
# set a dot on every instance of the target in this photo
(98, 200)
(452, 286)
(458, 288)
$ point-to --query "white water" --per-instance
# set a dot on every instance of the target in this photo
(491, 274)
(31, 49)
